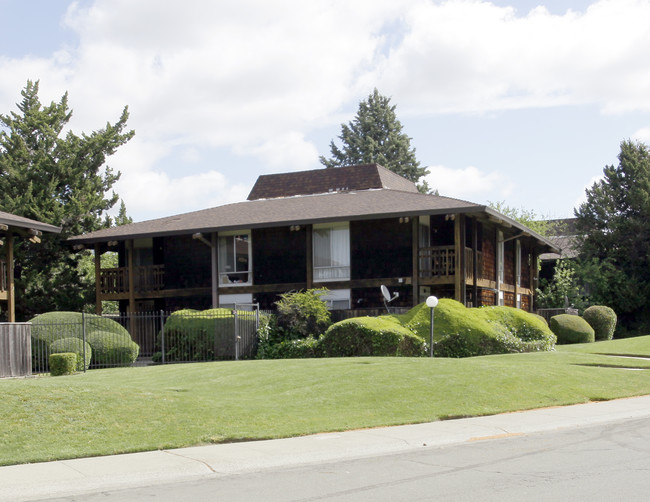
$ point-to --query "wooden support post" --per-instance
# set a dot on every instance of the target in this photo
(475, 260)
(214, 257)
(534, 277)
(98, 279)
(131, 271)
(11, 289)
(458, 267)
(310, 257)
(415, 279)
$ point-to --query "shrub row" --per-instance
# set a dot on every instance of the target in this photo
(598, 323)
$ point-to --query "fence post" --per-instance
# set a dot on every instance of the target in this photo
(83, 335)
(162, 335)
(236, 335)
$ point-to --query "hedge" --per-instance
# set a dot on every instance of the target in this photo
(571, 329)
(63, 363)
(464, 332)
(602, 319)
(52, 326)
(370, 336)
(75, 345)
(112, 349)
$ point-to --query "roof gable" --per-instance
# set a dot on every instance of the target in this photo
(319, 181)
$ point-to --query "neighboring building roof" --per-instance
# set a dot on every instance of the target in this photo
(337, 179)
(11, 220)
(564, 236)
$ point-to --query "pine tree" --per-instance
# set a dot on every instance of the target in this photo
(614, 223)
(375, 136)
(60, 178)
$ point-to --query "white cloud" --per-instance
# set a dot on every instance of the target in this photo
(583, 196)
(642, 135)
(469, 183)
(474, 57)
(256, 77)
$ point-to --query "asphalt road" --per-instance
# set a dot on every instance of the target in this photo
(602, 462)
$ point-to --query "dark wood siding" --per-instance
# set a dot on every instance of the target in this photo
(187, 263)
(380, 248)
(489, 254)
(509, 262)
(279, 255)
(526, 263)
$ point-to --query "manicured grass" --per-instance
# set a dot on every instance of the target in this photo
(134, 409)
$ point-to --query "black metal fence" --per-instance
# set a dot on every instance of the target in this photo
(146, 338)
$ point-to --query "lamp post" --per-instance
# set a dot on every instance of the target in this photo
(432, 303)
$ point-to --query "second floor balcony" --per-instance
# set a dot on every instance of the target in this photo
(146, 279)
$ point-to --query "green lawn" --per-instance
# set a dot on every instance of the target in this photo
(135, 409)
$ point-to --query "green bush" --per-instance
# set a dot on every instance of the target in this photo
(571, 329)
(112, 349)
(75, 345)
(291, 349)
(208, 335)
(63, 363)
(602, 319)
(302, 314)
(466, 332)
(52, 326)
(370, 336)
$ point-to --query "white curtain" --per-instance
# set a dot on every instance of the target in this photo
(331, 253)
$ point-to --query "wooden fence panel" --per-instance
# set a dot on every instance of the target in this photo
(15, 349)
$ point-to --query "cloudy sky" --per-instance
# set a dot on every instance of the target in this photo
(518, 101)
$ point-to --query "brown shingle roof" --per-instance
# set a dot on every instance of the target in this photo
(336, 206)
(13, 220)
(318, 181)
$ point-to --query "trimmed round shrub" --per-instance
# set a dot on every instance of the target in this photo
(52, 326)
(112, 349)
(205, 335)
(571, 329)
(63, 363)
(370, 336)
(602, 319)
(75, 345)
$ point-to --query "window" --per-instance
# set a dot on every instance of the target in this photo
(235, 259)
(242, 300)
(337, 299)
(331, 252)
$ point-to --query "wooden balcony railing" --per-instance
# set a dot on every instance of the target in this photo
(146, 279)
(440, 262)
(437, 261)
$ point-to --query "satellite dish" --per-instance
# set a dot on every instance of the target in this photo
(387, 298)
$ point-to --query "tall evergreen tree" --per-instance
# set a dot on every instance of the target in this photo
(375, 136)
(614, 223)
(59, 178)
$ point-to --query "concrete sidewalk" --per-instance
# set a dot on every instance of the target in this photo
(89, 475)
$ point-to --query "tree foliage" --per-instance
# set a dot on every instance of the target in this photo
(50, 174)
(528, 217)
(614, 225)
(375, 136)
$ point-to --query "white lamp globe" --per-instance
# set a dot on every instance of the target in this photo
(432, 302)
